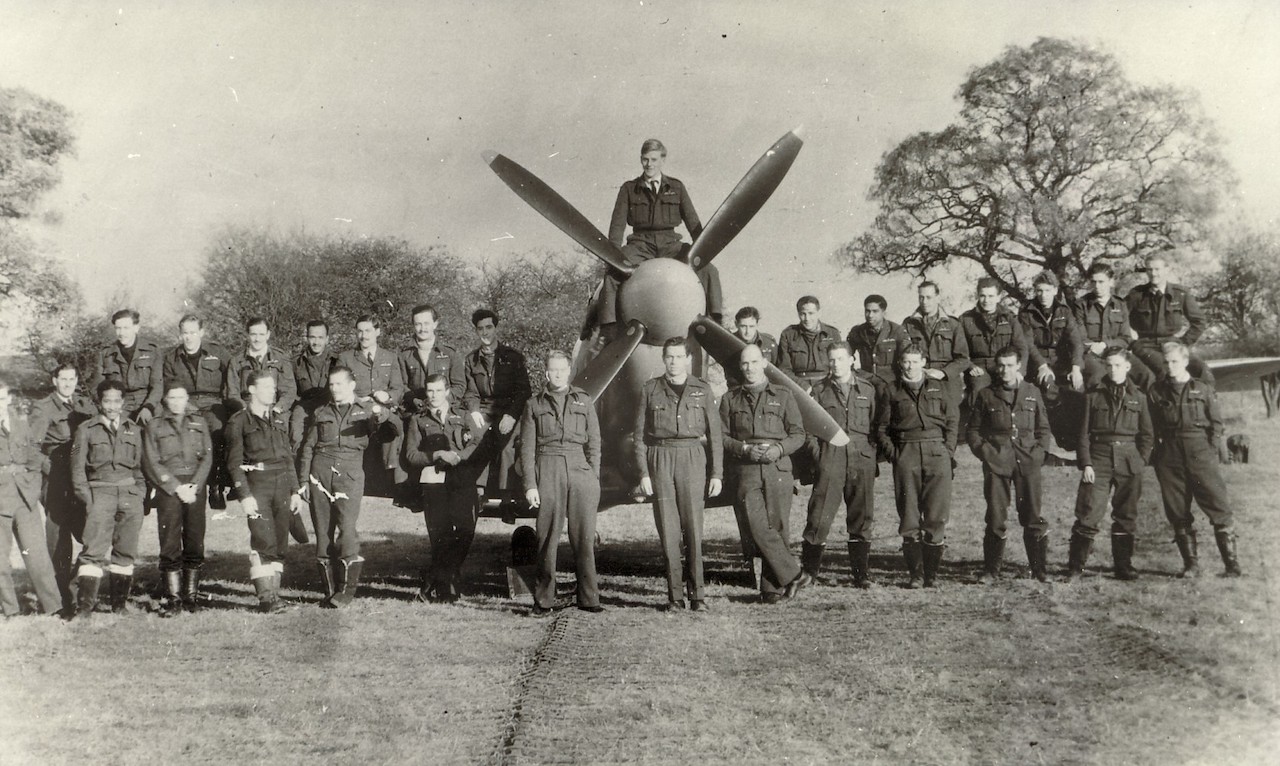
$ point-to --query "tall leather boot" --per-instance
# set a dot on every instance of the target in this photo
(1122, 556)
(1037, 546)
(349, 584)
(1190, 550)
(859, 553)
(915, 563)
(1077, 555)
(121, 584)
(87, 597)
(1226, 539)
(327, 583)
(264, 584)
(191, 590)
(811, 558)
(172, 594)
(932, 560)
(992, 558)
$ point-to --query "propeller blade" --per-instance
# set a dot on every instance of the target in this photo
(601, 371)
(557, 210)
(746, 199)
(724, 347)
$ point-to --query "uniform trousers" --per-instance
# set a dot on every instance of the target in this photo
(679, 475)
(570, 493)
(763, 498)
(1023, 488)
(922, 490)
(848, 475)
(1187, 469)
(269, 530)
(450, 513)
(1116, 464)
(181, 528)
(337, 487)
(64, 525)
(111, 527)
(20, 517)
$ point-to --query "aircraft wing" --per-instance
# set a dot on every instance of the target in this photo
(1242, 374)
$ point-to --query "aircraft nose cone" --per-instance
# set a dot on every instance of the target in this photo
(665, 295)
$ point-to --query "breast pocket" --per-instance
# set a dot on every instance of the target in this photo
(256, 444)
(1130, 414)
(998, 417)
(669, 211)
(860, 414)
(169, 445)
(326, 431)
(548, 424)
(639, 211)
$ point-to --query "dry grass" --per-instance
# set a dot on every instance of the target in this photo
(1159, 671)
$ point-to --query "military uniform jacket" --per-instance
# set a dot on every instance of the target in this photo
(443, 360)
(803, 355)
(20, 459)
(142, 376)
(1054, 335)
(639, 208)
(1161, 316)
(573, 432)
(665, 417)
(428, 435)
(203, 376)
(768, 416)
(273, 361)
(879, 350)
(177, 451)
(987, 334)
(1103, 323)
(768, 349)
(1004, 435)
(860, 411)
(258, 443)
(497, 385)
(923, 415)
(1115, 413)
(102, 458)
(380, 374)
(340, 431)
(311, 376)
(1187, 414)
(944, 345)
(54, 423)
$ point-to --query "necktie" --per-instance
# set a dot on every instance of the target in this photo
(112, 426)
(368, 358)
(440, 415)
(654, 185)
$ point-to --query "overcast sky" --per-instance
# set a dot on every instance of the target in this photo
(369, 118)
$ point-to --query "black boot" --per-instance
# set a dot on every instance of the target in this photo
(172, 594)
(217, 498)
(859, 553)
(268, 593)
(1122, 556)
(191, 597)
(911, 553)
(327, 583)
(350, 582)
(87, 597)
(992, 557)
(1077, 555)
(1226, 539)
(1190, 550)
(932, 560)
(1037, 546)
(811, 558)
(121, 584)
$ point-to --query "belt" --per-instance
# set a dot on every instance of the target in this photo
(568, 450)
(916, 439)
(683, 441)
(268, 465)
(653, 228)
(116, 483)
(1112, 441)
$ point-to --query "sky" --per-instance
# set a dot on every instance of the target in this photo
(369, 119)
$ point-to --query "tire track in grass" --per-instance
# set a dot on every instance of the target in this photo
(534, 666)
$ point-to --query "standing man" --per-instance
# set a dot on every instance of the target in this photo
(260, 356)
(177, 456)
(430, 356)
(1009, 432)
(106, 472)
(1114, 444)
(877, 342)
(677, 423)
(1188, 428)
(560, 462)
(941, 340)
(497, 388)
(378, 380)
(260, 458)
(20, 464)
(1161, 311)
(54, 421)
(761, 429)
(989, 327)
(138, 365)
(747, 323)
(846, 473)
(440, 443)
(200, 369)
(802, 347)
(311, 375)
(653, 205)
(331, 461)
(921, 444)
(1104, 322)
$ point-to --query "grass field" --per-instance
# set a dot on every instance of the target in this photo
(1159, 671)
